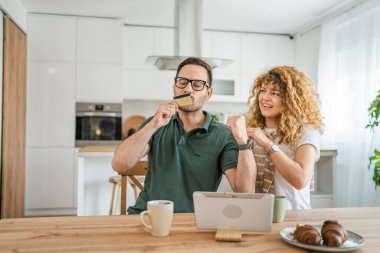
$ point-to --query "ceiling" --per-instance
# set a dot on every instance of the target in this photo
(264, 16)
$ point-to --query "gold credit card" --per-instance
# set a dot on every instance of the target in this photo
(183, 100)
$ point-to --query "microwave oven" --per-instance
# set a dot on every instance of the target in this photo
(98, 124)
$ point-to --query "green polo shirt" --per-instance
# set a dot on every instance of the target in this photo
(180, 163)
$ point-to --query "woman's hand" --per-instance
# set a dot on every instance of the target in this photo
(260, 137)
(238, 128)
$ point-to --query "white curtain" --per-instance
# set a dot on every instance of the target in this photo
(348, 80)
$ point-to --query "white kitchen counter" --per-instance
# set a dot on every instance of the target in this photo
(96, 151)
(94, 189)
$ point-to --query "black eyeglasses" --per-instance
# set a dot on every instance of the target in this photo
(198, 85)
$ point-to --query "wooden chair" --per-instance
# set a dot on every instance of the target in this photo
(139, 169)
(116, 182)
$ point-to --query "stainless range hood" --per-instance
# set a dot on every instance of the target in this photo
(172, 62)
(188, 38)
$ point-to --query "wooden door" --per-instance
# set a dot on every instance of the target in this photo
(14, 121)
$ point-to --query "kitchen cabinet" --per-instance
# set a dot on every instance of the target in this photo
(164, 39)
(226, 87)
(50, 104)
(254, 53)
(138, 43)
(251, 54)
(50, 187)
(99, 60)
(70, 59)
(141, 42)
(51, 88)
(223, 45)
(99, 40)
(246, 85)
(51, 38)
(148, 84)
(323, 195)
(226, 80)
(99, 82)
(207, 44)
(260, 52)
(142, 81)
(94, 189)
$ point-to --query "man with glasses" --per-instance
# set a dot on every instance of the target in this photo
(187, 149)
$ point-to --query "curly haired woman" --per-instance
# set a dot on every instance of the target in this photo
(283, 131)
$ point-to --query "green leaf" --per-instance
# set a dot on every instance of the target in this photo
(374, 120)
(374, 112)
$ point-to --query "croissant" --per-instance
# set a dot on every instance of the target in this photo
(333, 233)
(307, 234)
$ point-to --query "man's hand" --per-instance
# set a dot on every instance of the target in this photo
(238, 128)
(164, 114)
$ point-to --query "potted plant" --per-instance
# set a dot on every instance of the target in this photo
(374, 159)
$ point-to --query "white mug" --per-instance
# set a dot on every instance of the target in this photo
(160, 213)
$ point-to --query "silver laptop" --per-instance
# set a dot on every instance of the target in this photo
(242, 211)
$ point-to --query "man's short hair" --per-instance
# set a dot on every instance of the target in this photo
(199, 62)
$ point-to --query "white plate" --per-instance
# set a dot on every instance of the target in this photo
(354, 241)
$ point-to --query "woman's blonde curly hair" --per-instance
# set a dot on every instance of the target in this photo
(299, 99)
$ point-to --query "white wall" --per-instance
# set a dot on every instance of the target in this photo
(16, 11)
(307, 52)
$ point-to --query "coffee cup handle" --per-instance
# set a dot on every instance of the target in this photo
(142, 214)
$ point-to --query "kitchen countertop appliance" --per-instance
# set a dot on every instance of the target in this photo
(98, 124)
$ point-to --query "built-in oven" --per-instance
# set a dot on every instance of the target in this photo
(97, 124)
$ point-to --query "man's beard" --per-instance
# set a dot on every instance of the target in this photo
(195, 106)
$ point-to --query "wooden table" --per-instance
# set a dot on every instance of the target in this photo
(125, 233)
